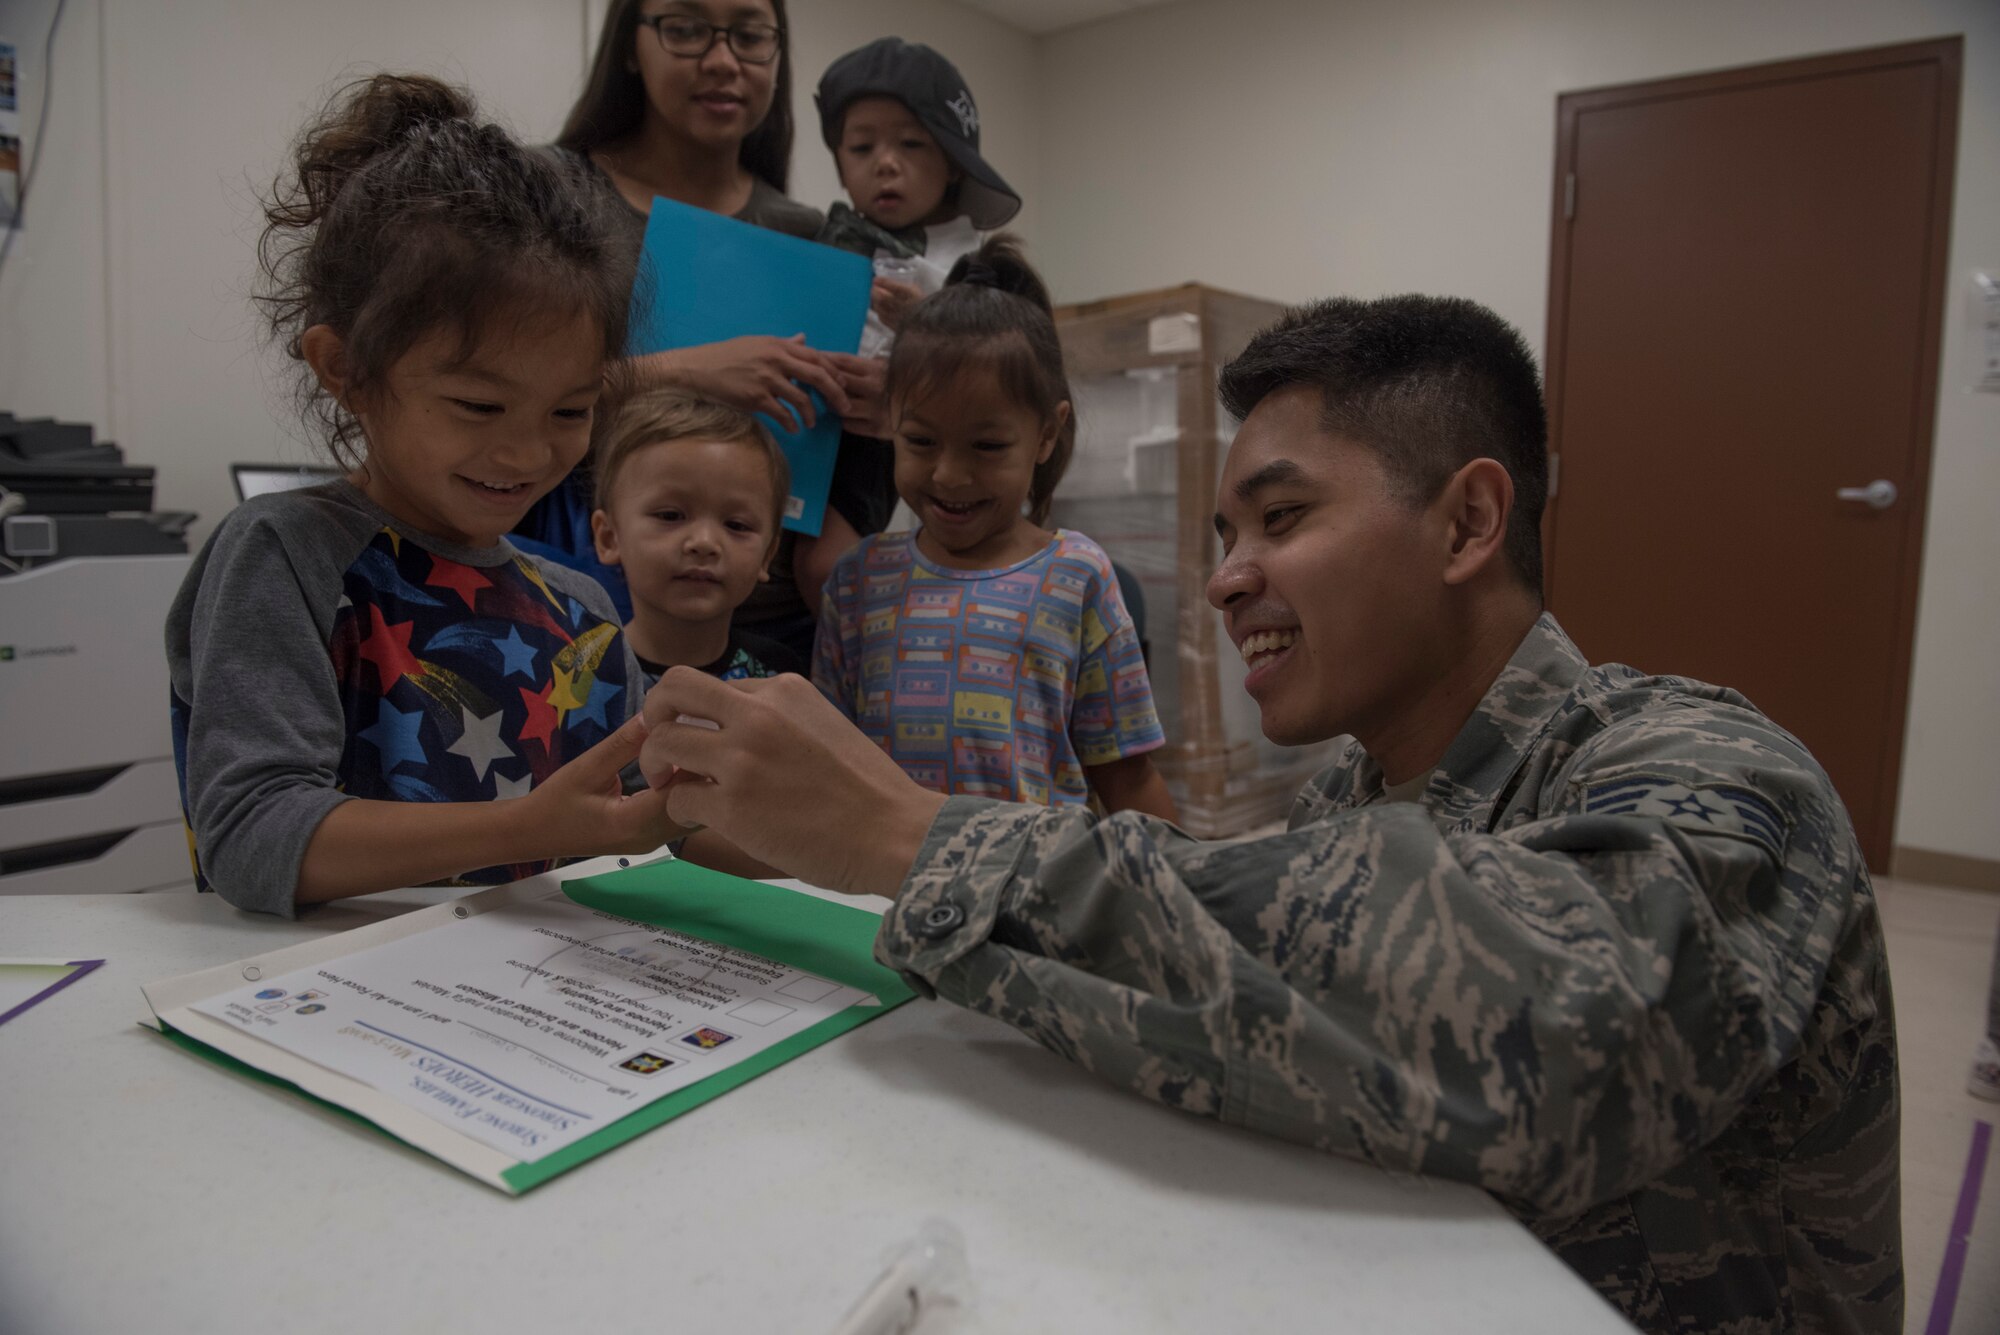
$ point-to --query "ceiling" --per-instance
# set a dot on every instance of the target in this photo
(1041, 17)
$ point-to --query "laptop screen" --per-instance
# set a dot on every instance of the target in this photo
(263, 479)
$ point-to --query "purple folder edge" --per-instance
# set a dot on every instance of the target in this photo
(79, 967)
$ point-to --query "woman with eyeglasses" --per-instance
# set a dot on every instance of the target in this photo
(691, 100)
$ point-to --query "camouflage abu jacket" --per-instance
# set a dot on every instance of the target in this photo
(1621, 967)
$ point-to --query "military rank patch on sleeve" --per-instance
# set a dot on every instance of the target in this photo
(1724, 809)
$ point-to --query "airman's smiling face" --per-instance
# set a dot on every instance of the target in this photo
(1331, 580)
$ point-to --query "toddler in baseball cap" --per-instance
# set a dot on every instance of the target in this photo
(904, 131)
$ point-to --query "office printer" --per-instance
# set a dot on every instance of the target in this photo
(89, 803)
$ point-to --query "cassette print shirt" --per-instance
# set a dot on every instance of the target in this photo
(987, 683)
(320, 651)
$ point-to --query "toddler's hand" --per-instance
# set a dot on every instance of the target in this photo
(864, 379)
(892, 300)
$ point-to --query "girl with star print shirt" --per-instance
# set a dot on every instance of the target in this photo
(372, 687)
(386, 665)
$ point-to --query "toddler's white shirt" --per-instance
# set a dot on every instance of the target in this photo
(945, 244)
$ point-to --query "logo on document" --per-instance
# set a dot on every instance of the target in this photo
(271, 994)
(648, 1063)
(313, 1009)
(707, 1039)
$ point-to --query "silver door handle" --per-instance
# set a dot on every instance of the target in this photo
(1879, 494)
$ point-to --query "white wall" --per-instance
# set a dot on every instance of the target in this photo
(1294, 148)
(52, 291)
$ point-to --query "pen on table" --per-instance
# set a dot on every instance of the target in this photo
(926, 1274)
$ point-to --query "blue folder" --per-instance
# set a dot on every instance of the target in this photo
(705, 278)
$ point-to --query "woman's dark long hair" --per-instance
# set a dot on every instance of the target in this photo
(614, 99)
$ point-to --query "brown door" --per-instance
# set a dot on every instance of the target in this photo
(1744, 317)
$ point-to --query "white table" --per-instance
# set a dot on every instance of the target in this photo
(142, 1189)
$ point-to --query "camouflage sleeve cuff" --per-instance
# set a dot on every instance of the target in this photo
(957, 887)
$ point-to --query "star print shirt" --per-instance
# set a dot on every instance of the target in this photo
(321, 650)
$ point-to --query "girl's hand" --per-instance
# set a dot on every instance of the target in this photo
(863, 378)
(892, 300)
(757, 373)
(785, 778)
(582, 811)
(364, 846)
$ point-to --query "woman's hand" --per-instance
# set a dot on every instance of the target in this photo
(785, 778)
(892, 300)
(863, 378)
(757, 373)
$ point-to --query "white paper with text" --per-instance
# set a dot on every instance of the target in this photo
(529, 1026)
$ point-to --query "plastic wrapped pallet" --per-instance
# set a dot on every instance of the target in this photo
(1150, 442)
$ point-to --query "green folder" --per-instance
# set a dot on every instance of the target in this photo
(809, 934)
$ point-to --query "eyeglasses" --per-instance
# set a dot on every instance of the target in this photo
(751, 43)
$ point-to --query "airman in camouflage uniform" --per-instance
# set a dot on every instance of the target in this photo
(1621, 967)
(1602, 944)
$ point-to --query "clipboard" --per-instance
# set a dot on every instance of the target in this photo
(815, 937)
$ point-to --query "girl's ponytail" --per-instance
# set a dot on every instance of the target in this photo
(999, 264)
(994, 310)
(362, 121)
